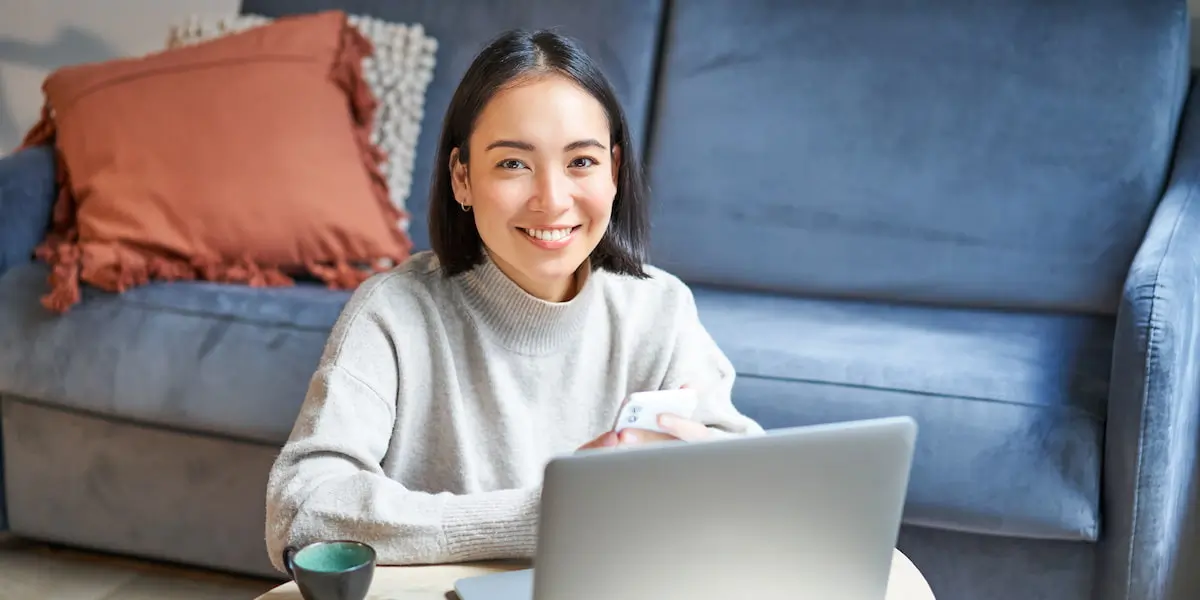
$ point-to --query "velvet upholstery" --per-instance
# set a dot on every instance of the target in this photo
(949, 151)
(26, 190)
(1151, 471)
(1020, 396)
(1005, 247)
(186, 355)
(118, 486)
(26, 185)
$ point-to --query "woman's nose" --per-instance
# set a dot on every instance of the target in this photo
(553, 192)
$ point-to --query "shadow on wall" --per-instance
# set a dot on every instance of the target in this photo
(68, 47)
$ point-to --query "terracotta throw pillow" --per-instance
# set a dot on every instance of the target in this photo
(245, 159)
(398, 73)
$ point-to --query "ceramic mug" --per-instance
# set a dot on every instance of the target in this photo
(332, 570)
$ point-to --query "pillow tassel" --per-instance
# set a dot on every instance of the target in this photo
(64, 276)
(60, 247)
(242, 271)
(164, 269)
(340, 276)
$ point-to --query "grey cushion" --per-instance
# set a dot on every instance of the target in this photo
(1011, 406)
(224, 359)
(622, 35)
(1003, 154)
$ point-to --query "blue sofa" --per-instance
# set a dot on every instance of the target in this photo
(980, 214)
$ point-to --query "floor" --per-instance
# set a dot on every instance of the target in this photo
(35, 571)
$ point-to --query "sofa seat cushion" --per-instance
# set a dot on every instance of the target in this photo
(1011, 406)
(214, 358)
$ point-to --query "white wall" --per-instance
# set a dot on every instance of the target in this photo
(38, 36)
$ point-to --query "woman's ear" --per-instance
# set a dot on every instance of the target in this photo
(459, 182)
(616, 163)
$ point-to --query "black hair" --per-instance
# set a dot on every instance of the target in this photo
(510, 58)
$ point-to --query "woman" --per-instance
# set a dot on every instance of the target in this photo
(448, 383)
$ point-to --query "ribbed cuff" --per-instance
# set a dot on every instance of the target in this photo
(497, 525)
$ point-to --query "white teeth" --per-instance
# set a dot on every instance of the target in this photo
(548, 235)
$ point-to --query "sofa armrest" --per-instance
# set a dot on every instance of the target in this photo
(27, 193)
(1150, 538)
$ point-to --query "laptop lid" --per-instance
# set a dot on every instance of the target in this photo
(806, 512)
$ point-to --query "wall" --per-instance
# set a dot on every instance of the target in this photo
(38, 36)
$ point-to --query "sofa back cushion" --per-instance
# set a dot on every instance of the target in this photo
(1003, 154)
(622, 35)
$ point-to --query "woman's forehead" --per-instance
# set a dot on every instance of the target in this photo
(544, 112)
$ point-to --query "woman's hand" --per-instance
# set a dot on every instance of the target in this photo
(606, 440)
(675, 428)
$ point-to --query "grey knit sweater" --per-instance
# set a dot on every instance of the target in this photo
(438, 402)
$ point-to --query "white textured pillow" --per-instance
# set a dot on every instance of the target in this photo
(398, 73)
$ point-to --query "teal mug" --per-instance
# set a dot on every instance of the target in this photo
(333, 570)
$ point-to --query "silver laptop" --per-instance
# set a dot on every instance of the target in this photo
(806, 512)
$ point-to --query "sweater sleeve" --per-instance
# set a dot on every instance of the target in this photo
(328, 482)
(697, 362)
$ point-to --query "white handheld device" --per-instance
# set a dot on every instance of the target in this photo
(641, 409)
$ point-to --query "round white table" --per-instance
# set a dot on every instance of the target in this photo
(436, 581)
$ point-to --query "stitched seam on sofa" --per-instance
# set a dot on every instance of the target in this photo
(133, 422)
(1064, 408)
(1152, 359)
(1151, 355)
(1086, 537)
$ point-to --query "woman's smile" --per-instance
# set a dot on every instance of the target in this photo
(550, 238)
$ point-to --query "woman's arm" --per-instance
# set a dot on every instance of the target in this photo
(327, 482)
(698, 363)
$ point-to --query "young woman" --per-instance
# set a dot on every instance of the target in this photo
(448, 383)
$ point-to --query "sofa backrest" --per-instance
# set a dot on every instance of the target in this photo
(622, 35)
(968, 152)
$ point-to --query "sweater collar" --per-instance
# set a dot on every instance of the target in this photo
(518, 320)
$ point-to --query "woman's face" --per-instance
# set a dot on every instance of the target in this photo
(540, 182)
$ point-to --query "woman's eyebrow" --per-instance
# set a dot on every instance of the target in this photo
(527, 147)
(589, 143)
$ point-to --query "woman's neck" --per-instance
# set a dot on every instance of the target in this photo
(520, 320)
(554, 290)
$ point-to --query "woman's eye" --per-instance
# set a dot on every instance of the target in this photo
(511, 164)
(583, 162)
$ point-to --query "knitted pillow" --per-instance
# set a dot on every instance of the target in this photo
(244, 159)
(399, 73)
